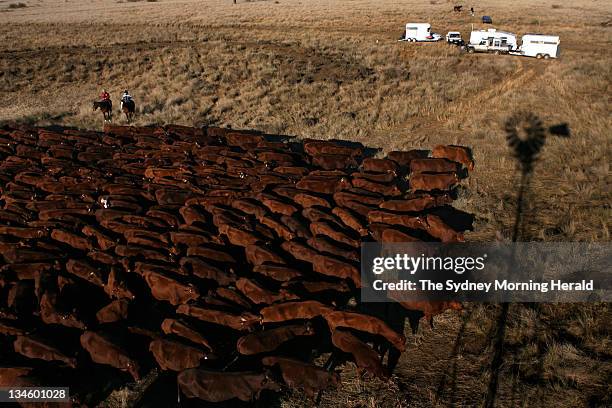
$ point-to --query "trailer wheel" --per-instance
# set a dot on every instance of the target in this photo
(546, 56)
(539, 56)
(470, 50)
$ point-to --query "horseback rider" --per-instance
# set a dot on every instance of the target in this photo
(126, 97)
(104, 96)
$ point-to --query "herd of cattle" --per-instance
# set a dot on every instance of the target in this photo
(230, 258)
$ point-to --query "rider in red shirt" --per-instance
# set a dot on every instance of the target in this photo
(104, 96)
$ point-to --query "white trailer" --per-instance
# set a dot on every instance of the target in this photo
(419, 32)
(539, 46)
(494, 38)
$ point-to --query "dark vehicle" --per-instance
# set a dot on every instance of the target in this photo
(487, 20)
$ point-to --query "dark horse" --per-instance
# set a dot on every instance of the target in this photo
(457, 8)
(106, 106)
(128, 107)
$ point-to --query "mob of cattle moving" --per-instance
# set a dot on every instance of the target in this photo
(230, 258)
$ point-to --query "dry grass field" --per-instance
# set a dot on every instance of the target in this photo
(333, 69)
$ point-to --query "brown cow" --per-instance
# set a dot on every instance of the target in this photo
(459, 154)
(23, 232)
(243, 321)
(383, 178)
(369, 198)
(323, 244)
(326, 265)
(211, 254)
(269, 340)
(214, 386)
(323, 185)
(309, 200)
(258, 255)
(403, 158)
(431, 308)
(335, 232)
(190, 239)
(239, 237)
(176, 356)
(299, 251)
(37, 348)
(365, 323)
(249, 206)
(113, 312)
(279, 228)
(277, 272)
(50, 313)
(393, 235)
(233, 296)
(379, 165)
(334, 161)
(429, 182)
(439, 229)
(133, 251)
(181, 329)
(8, 329)
(164, 287)
(433, 166)
(404, 220)
(260, 295)
(281, 312)
(296, 226)
(319, 286)
(85, 270)
(203, 270)
(301, 375)
(192, 214)
(10, 376)
(314, 214)
(277, 206)
(351, 220)
(104, 351)
(416, 204)
(365, 357)
(390, 190)
(104, 241)
(116, 286)
(316, 147)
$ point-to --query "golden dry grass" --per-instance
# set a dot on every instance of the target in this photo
(332, 69)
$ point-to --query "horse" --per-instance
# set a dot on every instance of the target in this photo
(457, 9)
(106, 106)
(129, 108)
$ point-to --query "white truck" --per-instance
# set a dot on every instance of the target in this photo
(538, 46)
(454, 37)
(419, 32)
(492, 41)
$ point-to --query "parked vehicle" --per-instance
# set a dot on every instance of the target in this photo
(419, 32)
(539, 46)
(491, 41)
(487, 20)
(454, 37)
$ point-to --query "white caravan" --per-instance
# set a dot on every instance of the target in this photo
(494, 38)
(419, 32)
(539, 46)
